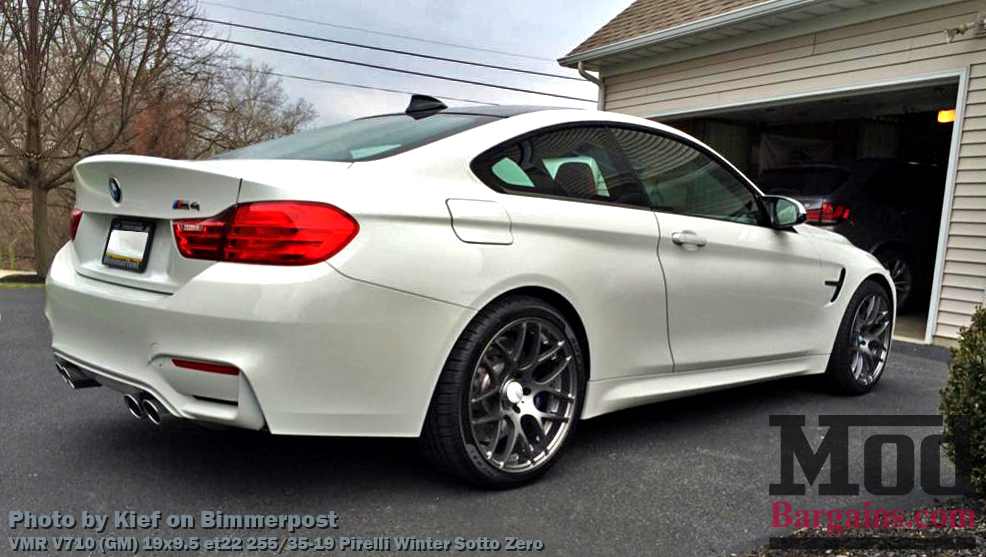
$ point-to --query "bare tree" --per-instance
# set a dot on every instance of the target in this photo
(74, 76)
(234, 105)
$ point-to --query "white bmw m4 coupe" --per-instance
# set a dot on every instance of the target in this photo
(481, 278)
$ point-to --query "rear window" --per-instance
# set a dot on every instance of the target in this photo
(807, 181)
(362, 140)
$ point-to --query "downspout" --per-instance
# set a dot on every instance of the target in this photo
(601, 96)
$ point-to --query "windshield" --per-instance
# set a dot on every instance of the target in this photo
(804, 181)
(361, 140)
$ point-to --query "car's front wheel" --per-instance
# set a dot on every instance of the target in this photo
(510, 395)
(862, 344)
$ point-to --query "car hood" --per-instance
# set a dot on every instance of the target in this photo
(823, 235)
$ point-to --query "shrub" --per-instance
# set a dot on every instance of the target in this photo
(964, 402)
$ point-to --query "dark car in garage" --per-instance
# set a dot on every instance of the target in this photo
(891, 209)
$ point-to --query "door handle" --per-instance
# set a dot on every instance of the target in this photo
(688, 238)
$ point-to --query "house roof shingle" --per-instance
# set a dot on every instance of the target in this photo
(648, 16)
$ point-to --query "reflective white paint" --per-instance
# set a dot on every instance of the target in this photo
(355, 346)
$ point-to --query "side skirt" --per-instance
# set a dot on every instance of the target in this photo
(625, 392)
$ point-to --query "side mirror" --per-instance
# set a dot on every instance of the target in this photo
(784, 212)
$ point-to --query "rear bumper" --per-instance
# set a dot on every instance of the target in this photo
(319, 353)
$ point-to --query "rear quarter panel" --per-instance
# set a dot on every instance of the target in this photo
(601, 258)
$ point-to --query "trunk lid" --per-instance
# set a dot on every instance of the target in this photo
(150, 187)
(154, 192)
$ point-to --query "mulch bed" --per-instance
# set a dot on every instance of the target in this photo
(978, 532)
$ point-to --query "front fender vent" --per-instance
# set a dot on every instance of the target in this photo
(837, 284)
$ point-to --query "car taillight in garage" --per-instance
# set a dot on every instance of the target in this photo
(828, 213)
(268, 233)
(76, 219)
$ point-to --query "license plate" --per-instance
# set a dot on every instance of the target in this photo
(128, 245)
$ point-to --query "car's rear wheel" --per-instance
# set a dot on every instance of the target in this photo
(863, 342)
(510, 395)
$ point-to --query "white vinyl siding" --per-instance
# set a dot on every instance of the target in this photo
(857, 54)
(964, 281)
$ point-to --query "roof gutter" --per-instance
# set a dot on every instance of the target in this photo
(742, 15)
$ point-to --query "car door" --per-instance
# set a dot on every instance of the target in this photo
(582, 225)
(739, 292)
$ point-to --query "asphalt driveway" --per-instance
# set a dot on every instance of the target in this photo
(687, 477)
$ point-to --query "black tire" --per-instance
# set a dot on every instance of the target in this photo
(839, 375)
(903, 270)
(448, 436)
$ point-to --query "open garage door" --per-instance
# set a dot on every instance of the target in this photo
(871, 166)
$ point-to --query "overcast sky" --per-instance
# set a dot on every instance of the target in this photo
(541, 30)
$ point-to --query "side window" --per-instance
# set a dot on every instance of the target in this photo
(578, 163)
(678, 178)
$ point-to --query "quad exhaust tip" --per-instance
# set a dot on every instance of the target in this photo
(133, 406)
(74, 377)
(152, 410)
(144, 406)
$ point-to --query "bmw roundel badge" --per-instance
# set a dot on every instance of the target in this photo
(116, 193)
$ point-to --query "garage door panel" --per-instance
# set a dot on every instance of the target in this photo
(966, 269)
(965, 281)
(962, 294)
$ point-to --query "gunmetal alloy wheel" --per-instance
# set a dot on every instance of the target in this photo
(522, 395)
(510, 395)
(862, 343)
(870, 340)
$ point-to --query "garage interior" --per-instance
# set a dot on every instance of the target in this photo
(870, 165)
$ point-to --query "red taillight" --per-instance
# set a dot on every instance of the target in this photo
(268, 233)
(206, 366)
(76, 219)
(828, 213)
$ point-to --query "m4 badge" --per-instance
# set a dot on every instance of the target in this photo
(185, 205)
